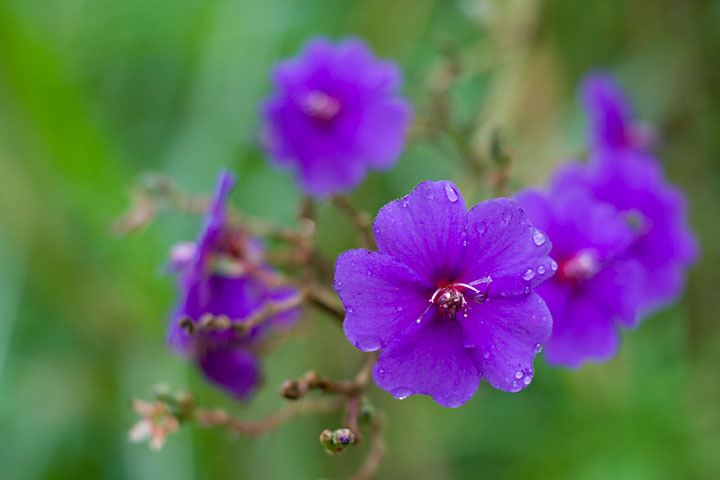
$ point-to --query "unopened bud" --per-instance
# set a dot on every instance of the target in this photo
(343, 437)
(326, 439)
(293, 390)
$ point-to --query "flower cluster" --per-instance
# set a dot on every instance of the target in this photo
(619, 230)
(449, 295)
(224, 274)
(334, 114)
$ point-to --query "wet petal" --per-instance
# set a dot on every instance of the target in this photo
(503, 245)
(504, 336)
(382, 297)
(431, 361)
(424, 230)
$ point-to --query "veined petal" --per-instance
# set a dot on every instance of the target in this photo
(505, 335)
(503, 245)
(424, 230)
(430, 360)
(382, 297)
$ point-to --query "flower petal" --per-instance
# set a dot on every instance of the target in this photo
(505, 335)
(235, 370)
(382, 297)
(430, 360)
(582, 331)
(503, 245)
(424, 230)
(607, 109)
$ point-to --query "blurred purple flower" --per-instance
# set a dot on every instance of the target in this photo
(448, 296)
(224, 274)
(623, 173)
(335, 112)
(596, 284)
(610, 117)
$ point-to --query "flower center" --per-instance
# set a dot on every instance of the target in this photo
(584, 265)
(320, 106)
(451, 298)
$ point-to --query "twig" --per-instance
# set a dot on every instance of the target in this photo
(222, 322)
(361, 220)
(221, 418)
(377, 450)
(297, 389)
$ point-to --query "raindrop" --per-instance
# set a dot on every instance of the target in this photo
(539, 238)
(529, 274)
(368, 343)
(349, 309)
(553, 265)
(507, 216)
(538, 347)
(518, 374)
(464, 243)
(401, 393)
(486, 355)
(527, 380)
(451, 193)
(515, 384)
(399, 309)
(541, 270)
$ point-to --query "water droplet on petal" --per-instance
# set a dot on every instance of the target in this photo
(527, 380)
(401, 393)
(507, 216)
(529, 274)
(538, 347)
(464, 243)
(541, 270)
(514, 384)
(553, 265)
(368, 343)
(486, 355)
(518, 374)
(451, 193)
(400, 309)
(349, 309)
(539, 238)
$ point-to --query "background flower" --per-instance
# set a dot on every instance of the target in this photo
(335, 113)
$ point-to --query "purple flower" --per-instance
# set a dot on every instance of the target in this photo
(624, 174)
(612, 126)
(596, 284)
(224, 274)
(664, 245)
(448, 296)
(335, 112)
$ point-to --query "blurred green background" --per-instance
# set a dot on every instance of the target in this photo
(94, 93)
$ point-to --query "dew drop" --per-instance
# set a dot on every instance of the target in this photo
(399, 309)
(538, 347)
(553, 265)
(515, 384)
(518, 374)
(507, 216)
(451, 193)
(368, 343)
(401, 393)
(464, 243)
(541, 270)
(486, 355)
(349, 309)
(529, 274)
(527, 380)
(539, 238)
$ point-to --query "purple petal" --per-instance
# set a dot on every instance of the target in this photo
(382, 131)
(424, 230)
(617, 289)
(582, 329)
(503, 245)
(382, 297)
(608, 111)
(505, 335)
(432, 361)
(235, 370)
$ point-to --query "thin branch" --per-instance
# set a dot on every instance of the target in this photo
(221, 418)
(361, 220)
(377, 451)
